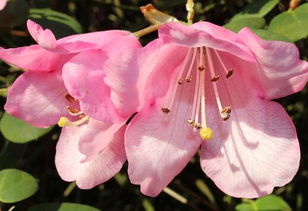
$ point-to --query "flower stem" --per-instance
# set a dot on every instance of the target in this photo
(191, 12)
(147, 30)
(175, 195)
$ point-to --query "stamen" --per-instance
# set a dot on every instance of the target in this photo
(225, 113)
(201, 68)
(180, 81)
(188, 79)
(215, 78)
(195, 109)
(190, 121)
(64, 122)
(165, 110)
(193, 58)
(196, 125)
(73, 111)
(202, 90)
(211, 68)
(229, 72)
(70, 98)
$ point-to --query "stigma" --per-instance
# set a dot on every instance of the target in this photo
(202, 69)
(65, 122)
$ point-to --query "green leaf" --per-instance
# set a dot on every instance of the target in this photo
(268, 35)
(62, 207)
(251, 22)
(291, 24)
(16, 185)
(272, 202)
(267, 203)
(61, 24)
(245, 207)
(17, 131)
(258, 8)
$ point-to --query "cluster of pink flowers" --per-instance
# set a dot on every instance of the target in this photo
(197, 88)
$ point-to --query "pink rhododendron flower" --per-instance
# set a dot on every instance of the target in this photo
(2, 4)
(64, 83)
(205, 88)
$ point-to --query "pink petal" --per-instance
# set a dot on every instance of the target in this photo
(38, 98)
(101, 135)
(88, 174)
(122, 79)
(256, 149)
(2, 4)
(204, 34)
(280, 72)
(105, 39)
(112, 42)
(33, 58)
(159, 145)
(83, 76)
(45, 38)
(152, 67)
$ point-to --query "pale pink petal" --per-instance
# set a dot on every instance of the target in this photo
(119, 76)
(279, 71)
(2, 4)
(88, 174)
(38, 98)
(45, 38)
(83, 76)
(159, 145)
(104, 39)
(256, 149)
(204, 34)
(112, 42)
(33, 58)
(101, 134)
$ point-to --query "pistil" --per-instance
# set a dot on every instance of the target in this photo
(63, 121)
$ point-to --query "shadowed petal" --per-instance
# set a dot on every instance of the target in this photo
(88, 174)
(83, 76)
(256, 149)
(38, 98)
(101, 135)
(204, 34)
(159, 145)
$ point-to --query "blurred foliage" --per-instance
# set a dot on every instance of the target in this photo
(270, 19)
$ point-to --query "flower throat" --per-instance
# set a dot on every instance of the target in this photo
(204, 58)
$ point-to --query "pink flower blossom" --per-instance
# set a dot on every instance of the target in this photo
(2, 4)
(64, 83)
(205, 88)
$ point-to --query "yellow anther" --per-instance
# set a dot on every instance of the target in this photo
(63, 121)
(206, 133)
